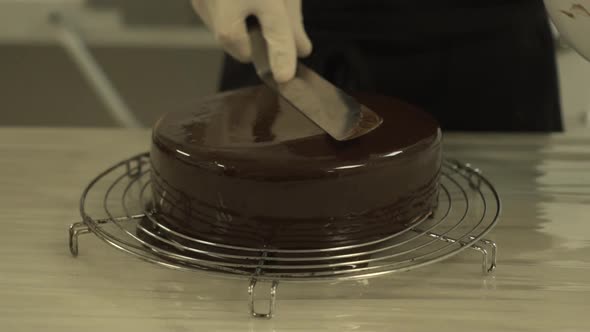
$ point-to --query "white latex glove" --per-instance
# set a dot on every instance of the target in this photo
(282, 27)
(572, 19)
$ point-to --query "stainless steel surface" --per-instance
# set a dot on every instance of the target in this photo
(338, 114)
(542, 283)
(116, 207)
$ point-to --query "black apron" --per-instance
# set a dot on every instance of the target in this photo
(475, 65)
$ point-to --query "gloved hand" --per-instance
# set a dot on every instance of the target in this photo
(282, 27)
(573, 23)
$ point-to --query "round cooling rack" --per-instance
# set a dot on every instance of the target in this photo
(116, 207)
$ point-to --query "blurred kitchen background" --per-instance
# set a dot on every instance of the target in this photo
(95, 62)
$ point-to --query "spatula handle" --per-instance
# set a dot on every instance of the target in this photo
(259, 49)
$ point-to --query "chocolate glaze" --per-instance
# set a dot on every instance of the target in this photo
(244, 168)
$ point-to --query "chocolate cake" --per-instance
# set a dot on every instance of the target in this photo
(243, 168)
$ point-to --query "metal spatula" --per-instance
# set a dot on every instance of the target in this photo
(338, 114)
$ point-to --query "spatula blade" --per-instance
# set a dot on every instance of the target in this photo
(330, 108)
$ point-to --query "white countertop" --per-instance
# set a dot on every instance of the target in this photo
(542, 282)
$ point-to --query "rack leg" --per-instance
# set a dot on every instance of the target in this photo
(134, 167)
(475, 180)
(489, 263)
(272, 301)
(473, 176)
(76, 229)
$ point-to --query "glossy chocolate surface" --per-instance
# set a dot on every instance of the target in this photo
(244, 168)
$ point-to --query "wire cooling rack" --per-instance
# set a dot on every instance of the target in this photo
(116, 207)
